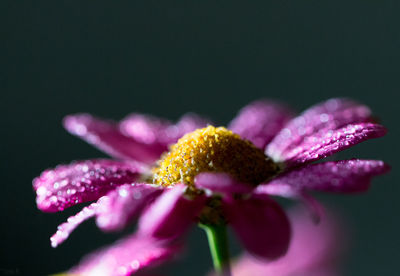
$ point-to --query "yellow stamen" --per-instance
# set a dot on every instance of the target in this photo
(213, 149)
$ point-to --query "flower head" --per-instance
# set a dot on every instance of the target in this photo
(211, 175)
(213, 149)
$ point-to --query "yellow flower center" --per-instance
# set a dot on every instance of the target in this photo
(213, 149)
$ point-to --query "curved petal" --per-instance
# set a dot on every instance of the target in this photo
(221, 183)
(346, 176)
(126, 257)
(171, 214)
(316, 209)
(188, 123)
(112, 211)
(120, 206)
(107, 136)
(66, 228)
(147, 129)
(327, 143)
(314, 250)
(260, 121)
(158, 132)
(261, 225)
(329, 115)
(82, 181)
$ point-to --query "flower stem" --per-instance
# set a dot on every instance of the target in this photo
(218, 243)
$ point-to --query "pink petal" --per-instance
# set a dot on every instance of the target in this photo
(346, 176)
(146, 129)
(65, 229)
(283, 190)
(82, 181)
(260, 121)
(188, 123)
(113, 211)
(106, 136)
(171, 214)
(221, 183)
(126, 257)
(313, 251)
(161, 133)
(261, 224)
(119, 207)
(327, 143)
(328, 115)
(315, 208)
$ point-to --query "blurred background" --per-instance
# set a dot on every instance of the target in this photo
(169, 57)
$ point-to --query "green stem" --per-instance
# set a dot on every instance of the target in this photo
(218, 243)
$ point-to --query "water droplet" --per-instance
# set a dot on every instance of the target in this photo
(123, 193)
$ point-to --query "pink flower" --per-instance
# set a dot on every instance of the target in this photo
(210, 176)
(315, 250)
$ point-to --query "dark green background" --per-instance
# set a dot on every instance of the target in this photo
(170, 57)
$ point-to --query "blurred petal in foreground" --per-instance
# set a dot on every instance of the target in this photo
(314, 250)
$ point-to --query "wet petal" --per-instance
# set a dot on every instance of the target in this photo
(146, 129)
(314, 250)
(119, 207)
(113, 211)
(261, 224)
(346, 176)
(107, 136)
(171, 214)
(221, 183)
(82, 181)
(260, 121)
(328, 115)
(158, 132)
(327, 143)
(65, 229)
(126, 257)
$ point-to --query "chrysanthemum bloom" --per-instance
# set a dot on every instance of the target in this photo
(315, 250)
(213, 176)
